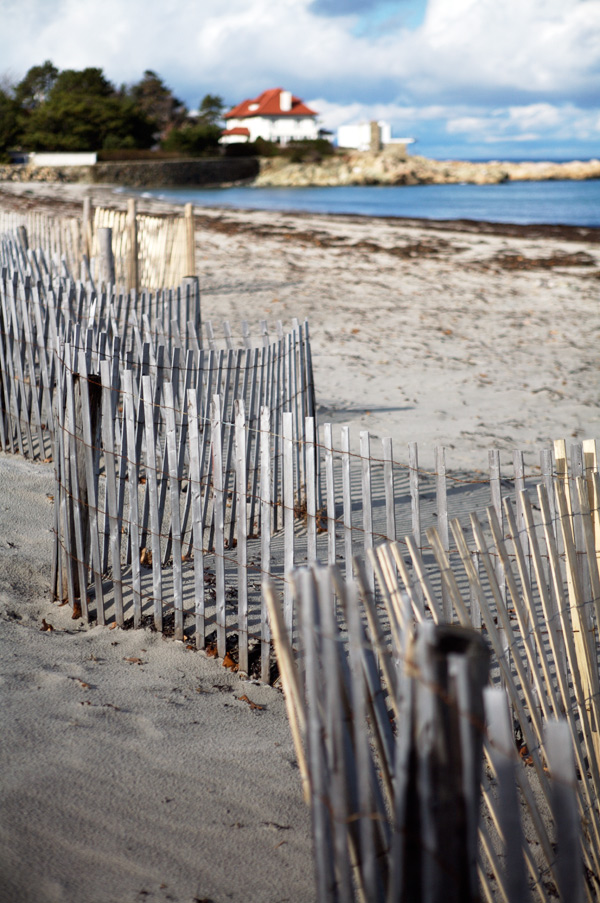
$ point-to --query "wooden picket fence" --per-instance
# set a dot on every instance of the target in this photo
(140, 333)
(191, 473)
(153, 252)
(389, 732)
(150, 251)
(206, 474)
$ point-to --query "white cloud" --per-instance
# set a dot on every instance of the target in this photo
(530, 46)
(533, 122)
(548, 46)
(531, 60)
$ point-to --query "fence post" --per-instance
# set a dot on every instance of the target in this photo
(87, 228)
(132, 270)
(190, 242)
(106, 260)
(449, 667)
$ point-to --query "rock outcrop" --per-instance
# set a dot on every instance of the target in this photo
(387, 168)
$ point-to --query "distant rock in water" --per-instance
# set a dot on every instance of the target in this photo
(389, 168)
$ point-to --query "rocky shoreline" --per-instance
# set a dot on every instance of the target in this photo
(388, 167)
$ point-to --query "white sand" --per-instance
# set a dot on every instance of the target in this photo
(129, 782)
(124, 781)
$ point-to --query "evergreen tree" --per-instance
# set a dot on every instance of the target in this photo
(35, 88)
(157, 102)
(84, 112)
(9, 123)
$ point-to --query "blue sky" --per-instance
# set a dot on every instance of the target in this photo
(467, 78)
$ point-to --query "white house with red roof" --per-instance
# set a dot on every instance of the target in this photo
(275, 115)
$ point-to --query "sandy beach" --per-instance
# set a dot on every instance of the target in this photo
(132, 768)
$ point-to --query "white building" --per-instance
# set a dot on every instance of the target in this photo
(275, 115)
(62, 159)
(361, 135)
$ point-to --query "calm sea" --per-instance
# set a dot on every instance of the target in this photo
(564, 202)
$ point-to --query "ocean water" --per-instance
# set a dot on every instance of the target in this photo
(560, 202)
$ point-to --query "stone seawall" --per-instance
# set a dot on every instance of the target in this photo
(144, 174)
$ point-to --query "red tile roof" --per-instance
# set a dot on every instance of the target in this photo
(238, 130)
(268, 104)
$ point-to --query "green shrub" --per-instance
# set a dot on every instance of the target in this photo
(193, 140)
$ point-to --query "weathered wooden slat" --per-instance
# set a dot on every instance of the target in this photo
(347, 500)
(276, 407)
(183, 444)
(502, 752)
(581, 644)
(6, 364)
(559, 750)
(316, 759)
(62, 583)
(255, 508)
(78, 501)
(234, 375)
(252, 435)
(265, 543)
(174, 482)
(197, 534)
(311, 494)
(152, 496)
(90, 392)
(415, 503)
(241, 483)
(369, 814)
(288, 519)
(442, 516)
(206, 457)
(108, 442)
(330, 493)
(35, 405)
(15, 368)
(388, 480)
(217, 467)
(367, 504)
(133, 474)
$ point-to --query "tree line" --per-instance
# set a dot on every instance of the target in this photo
(80, 110)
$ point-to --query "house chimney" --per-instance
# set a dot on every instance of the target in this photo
(285, 101)
(375, 138)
